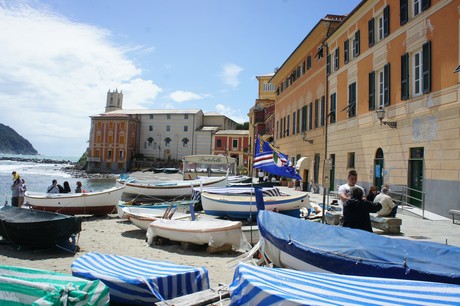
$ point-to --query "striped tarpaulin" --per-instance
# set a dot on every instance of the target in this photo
(140, 281)
(271, 286)
(24, 286)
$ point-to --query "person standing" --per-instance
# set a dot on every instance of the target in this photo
(22, 193)
(389, 208)
(356, 210)
(53, 188)
(344, 190)
(17, 183)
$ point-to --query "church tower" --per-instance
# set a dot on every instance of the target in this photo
(114, 101)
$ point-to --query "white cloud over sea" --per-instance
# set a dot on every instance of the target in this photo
(55, 73)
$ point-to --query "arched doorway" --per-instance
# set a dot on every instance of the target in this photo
(378, 168)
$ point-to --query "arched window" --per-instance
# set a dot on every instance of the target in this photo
(150, 141)
(167, 141)
(185, 142)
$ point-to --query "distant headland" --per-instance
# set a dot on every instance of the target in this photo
(13, 143)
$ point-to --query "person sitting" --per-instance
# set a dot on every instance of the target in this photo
(78, 188)
(66, 188)
(372, 194)
(53, 188)
(389, 208)
(356, 210)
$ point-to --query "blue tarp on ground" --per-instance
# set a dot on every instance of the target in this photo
(355, 252)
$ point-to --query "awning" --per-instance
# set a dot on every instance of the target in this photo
(302, 163)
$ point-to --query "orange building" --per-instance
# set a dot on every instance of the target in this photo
(232, 143)
(381, 96)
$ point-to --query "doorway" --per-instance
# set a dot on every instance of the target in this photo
(415, 176)
(378, 168)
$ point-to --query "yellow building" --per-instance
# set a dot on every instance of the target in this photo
(393, 58)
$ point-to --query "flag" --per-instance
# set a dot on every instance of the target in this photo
(272, 161)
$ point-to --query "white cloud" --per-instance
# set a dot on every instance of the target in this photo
(55, 73)
(230, 74)
(183, 96)
(235, 114)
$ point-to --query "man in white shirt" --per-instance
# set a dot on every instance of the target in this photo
(344, 190)
(389, 208)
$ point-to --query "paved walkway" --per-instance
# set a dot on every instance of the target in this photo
(432, 227)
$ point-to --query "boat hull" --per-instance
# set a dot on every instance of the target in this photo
(244, 206)
(301, 245)
(92, 203)
(36, 229)
(168, 189)
(143, 217)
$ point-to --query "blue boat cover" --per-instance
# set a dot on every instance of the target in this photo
(139, 281)
(270, 286)
(350, 251)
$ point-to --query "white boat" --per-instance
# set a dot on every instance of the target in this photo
(212, 232)
(142, 217)
(168, 189)
(240, 202)
(91, 203)
(163, 205)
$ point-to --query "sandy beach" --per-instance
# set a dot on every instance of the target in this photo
(110, 235)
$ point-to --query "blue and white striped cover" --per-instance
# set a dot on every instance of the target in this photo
(138, 281)
(267, 191)
(270, 286)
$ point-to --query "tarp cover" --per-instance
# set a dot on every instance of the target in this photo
(270, 286)
(355, 252)
(134, 280)
(24, 286)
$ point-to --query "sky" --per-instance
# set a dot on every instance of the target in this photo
(58, 59)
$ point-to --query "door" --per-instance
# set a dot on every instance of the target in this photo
(415, 176)
(378, 168)
(332, 173)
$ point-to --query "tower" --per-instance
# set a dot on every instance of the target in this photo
(114, 101)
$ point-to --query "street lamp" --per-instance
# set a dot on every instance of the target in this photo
(305, 138)
(381, 115)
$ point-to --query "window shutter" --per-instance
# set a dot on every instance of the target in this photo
(386, 84)
(427, 67)
(357, 43)
(405, 76)
(346, 54)
(403, 12)
(328, 65)
(425, 4)
(323, 110)
(333, 107)
(371, 38)
(372, 90)
(336, 59)
(386, 21)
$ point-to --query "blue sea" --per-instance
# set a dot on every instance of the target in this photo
(38, 176)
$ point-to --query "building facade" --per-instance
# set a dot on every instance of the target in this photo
(384, 100)
(233, 143)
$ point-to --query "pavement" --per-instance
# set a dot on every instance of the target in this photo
(418, 225)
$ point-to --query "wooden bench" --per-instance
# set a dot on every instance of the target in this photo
(454, 212)
(387, 224)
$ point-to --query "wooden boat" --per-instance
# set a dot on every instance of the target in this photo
(139, 281)
(167, 189)
(142, 217)
(240, 202)
(254, 285)
(212, 232)
(163, 205)
(91, 203)
(27, 286)
(37, 229)
(310, 246)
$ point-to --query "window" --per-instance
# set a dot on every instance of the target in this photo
(421, 72)
(383, 88)
(320, 53)
(417, 72)
(333, 107)
(321, 119)
(328, 64)
(122, 125)
(371, 34)
(352, 100)
(356, 44)
(150, 127)
(150, 141)
(416, 7)
(218, 143)
(109, 154)
(310, 116)
(316, 113)
(185, 116)
(185, 142)
(235, 143)
(308, 62)
(122, 139)
(287, 124)
(405, 76)
(167, 141)
(351, 160)
(110, 139)
(121, 155)
(185, 128)
(168, 116)
(346, 54)
(303, 68)
(298, 121)
(151, 116)
(293, 123)
(304, 118)
(168, 128)
(336, 59)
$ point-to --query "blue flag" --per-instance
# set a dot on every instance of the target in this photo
(271, 161)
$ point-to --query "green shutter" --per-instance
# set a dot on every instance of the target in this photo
(403, 12)
(386, 21)
(386, 84)
(371, 24)
(427, 67)
(405, 76)
(372, 90)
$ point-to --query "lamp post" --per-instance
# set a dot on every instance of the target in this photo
(381, 115)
